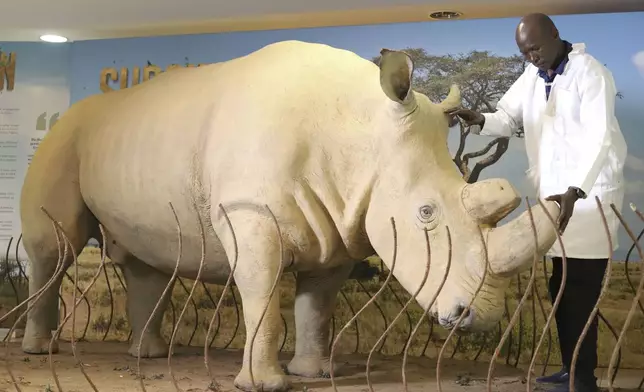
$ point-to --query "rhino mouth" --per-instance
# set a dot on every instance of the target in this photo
(467, 320)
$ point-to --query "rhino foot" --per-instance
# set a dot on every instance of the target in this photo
(266, 380)
(38, 345)
(311, 367)
(151, 347)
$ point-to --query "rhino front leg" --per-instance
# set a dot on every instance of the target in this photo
(258, 264)
(145, 285)
(315, 299)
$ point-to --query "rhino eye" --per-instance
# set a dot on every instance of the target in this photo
(426, 213)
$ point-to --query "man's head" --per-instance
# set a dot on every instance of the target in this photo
(538, 40)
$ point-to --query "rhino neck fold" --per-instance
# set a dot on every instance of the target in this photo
(336, 214)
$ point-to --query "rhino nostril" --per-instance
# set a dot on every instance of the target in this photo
(462, 309)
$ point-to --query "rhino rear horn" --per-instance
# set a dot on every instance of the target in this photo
(453, 99)
(396, 70)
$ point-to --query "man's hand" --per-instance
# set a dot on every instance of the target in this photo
(469, 116)
(566, 203)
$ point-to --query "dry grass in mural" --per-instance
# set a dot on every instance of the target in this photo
(614, 308)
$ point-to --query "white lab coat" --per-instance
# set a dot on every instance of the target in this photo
(573, 139)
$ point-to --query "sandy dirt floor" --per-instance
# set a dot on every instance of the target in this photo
(112, 370)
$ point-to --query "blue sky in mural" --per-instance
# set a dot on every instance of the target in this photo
(614, 39)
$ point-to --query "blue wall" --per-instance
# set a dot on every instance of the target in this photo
(41, 92)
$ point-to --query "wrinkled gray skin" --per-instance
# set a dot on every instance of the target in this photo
(334, 144)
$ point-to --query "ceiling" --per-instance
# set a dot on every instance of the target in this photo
(27, 20)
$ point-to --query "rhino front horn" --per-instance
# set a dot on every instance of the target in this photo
(511, 247)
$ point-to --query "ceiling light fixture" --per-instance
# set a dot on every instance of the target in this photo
(53, 38)
(445, 15)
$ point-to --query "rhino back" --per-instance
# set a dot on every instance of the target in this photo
(253, 128)
(304, 143)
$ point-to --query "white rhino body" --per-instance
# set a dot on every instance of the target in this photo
(333, 144)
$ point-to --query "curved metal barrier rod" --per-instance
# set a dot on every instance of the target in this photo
(369, 302)
(74, 282)
(555, 305)
(375, 303)
(456, 347)
(545, 317)
(165, 292)
(626, 271)
(8, 274)
(62, 256)
(534, 316)
(214, 303)
(429, 306)
(69, 244)
(615, 335)
(194, 306)
(237, 321)
(278, 276)
(520, 342)
(508, 328)
(430, 323)
(505, 334)
(464, 313)
(517, 312)
(213, 382)
(355, 321)
(404, 309)
(202, 236)
(636, 299)
(109, 291)
(593, 313)
(413, 298)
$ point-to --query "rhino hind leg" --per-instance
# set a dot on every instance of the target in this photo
(43, 317)
(65, 204)
(145, 285)
(315, 298)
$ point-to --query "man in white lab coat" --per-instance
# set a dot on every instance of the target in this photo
(565, 102)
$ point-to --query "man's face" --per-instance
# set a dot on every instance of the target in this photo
(538, 47)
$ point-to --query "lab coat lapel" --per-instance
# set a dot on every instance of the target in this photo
(533, 130)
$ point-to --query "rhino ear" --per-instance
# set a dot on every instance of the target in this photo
(396, 70)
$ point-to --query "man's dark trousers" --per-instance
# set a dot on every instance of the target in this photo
(583, 286)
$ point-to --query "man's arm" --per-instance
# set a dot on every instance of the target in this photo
(508, 117)
(597, 109)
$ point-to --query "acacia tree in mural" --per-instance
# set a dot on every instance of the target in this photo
(483, 78)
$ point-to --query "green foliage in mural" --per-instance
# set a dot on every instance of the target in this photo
(483, 79)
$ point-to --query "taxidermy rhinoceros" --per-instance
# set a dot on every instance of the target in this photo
(332, 143)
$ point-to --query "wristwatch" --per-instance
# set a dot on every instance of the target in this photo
(580, 194)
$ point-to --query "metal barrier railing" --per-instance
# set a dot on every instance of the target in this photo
(363, 272)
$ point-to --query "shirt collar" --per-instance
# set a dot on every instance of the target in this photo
(575, 49)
